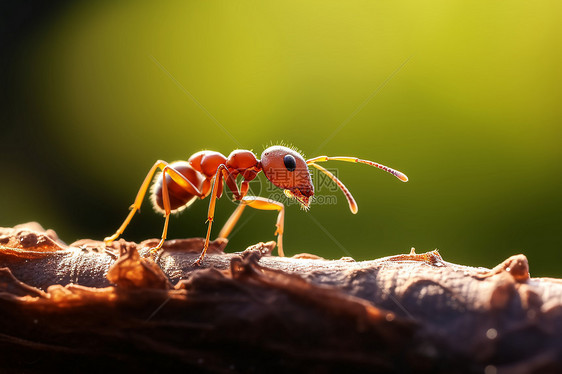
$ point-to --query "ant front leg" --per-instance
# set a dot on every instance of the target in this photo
(260, 203)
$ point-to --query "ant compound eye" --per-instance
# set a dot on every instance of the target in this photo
(290, 162)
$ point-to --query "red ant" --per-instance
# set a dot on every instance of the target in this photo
(180, 183)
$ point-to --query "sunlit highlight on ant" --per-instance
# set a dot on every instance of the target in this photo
(180, 183)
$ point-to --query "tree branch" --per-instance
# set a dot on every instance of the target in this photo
(88, 306)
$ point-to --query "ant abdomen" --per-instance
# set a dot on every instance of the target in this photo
(179, 197)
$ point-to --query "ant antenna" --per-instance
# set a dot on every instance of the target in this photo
(352, 204)
(396, 173)
(351, 201)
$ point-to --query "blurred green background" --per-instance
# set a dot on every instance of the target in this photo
(463, 97)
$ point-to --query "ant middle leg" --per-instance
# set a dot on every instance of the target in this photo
(260, 203)
(222, 175)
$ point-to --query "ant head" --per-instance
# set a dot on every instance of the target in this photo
(287, 169)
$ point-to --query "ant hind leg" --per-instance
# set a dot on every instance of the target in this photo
(138, 200)
(166, 170)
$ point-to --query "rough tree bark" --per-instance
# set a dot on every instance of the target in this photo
(88, 307)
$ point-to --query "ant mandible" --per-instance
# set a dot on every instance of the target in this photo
(180, 183)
